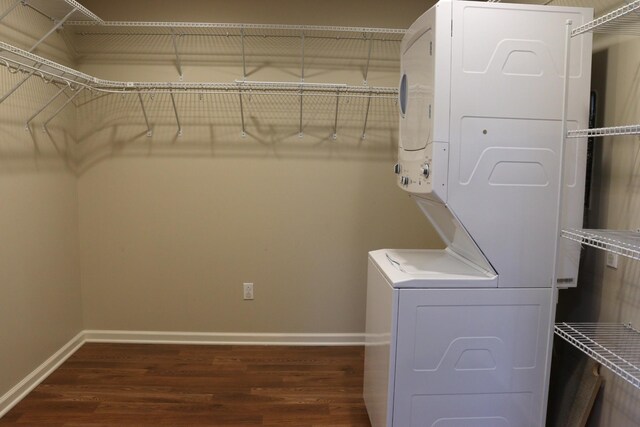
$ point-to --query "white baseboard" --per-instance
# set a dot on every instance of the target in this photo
(229, 338)
(20, 390)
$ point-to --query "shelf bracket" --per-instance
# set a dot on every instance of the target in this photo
(244, 133)
(10, 9)
(300, 133)
(366, 68)
(366, 117)
(244, 64)
(175, 111)
(335, 120)
(174, 39)
(144, 113)
(55, 27)
(62, 107)
(17, 86)
(41, 109)
(302, 56)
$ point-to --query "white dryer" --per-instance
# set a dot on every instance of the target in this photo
(460, 337)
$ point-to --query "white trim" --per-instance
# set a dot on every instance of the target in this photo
(228, 338)
(24, 387)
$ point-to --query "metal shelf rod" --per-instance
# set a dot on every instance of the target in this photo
(175, 111)
(335, 120)
(10, 9)
(55, 27)
(366, 68)
(41, 109)
(175, 49)
(62, 107)
(366, 117)
(144, 113)
(244, 63)
(17, 86)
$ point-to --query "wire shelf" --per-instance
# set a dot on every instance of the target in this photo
(607, 131)
(625, 243)
(624, 20)
(16, 59)
(58, 9)
(615, 346)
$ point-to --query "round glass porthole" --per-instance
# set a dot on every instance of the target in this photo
(403, 95)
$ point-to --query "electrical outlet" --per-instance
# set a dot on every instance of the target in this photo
(247, 290)
(612, 260)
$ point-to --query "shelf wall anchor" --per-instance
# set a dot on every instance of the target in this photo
(41, 109)
(62, 107)
(175, 111)
(144, 113)
(55, 27)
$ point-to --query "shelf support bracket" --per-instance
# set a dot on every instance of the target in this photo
(366, 68)
(335, 120)
(41, 109)
(302, 56)
(62, 107)
(175, 111)
(144, 113)
(366, 117)
(17, 86)
(10, 9)
(300, 133)
(174, 39)
(55, 27)
(244, 133)
(244, 64)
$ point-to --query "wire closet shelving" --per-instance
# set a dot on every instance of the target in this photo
(88, 36)
(616, 346)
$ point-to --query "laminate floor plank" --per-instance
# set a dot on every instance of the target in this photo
(197, 385)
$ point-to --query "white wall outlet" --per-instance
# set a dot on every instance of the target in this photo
(612, 260)
(247, 290)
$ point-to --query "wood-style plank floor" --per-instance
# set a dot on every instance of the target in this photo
(198, 385)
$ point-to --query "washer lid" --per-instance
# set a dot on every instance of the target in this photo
(430, 268)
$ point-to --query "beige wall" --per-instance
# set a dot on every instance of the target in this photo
(171, 227)
(40, 299)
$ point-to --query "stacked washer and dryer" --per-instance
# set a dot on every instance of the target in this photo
(461, 337)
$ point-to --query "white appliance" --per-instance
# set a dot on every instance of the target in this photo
(460, 337)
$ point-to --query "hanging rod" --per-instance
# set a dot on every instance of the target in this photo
(75, 79)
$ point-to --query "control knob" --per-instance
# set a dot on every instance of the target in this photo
(397, 169)
(426, 170)
(404, 180)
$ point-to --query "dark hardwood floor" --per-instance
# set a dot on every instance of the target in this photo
(198, 385)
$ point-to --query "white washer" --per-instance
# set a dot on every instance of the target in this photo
(460, 337)
(441, 354)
